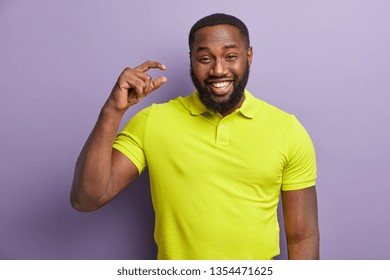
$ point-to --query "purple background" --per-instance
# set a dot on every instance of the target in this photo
(325, 61)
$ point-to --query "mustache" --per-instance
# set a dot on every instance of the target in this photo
(211, 77)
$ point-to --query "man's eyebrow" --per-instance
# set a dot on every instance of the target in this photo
(200, 48)
(228, 46)
(231, 46)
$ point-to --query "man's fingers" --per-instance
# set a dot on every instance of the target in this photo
(158, 82)
(149, 65)
(138, 90)
(147, 79)
(137, 83)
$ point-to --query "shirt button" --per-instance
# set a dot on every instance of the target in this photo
(223, 126)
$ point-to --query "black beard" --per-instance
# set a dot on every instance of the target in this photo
(224, 106)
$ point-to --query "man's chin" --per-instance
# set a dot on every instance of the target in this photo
(219, 98)
(220, 103)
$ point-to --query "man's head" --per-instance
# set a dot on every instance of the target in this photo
(219, 19)
(220, 58)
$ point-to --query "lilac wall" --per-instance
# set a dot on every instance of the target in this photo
(325, 61)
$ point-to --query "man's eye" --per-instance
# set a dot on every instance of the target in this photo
(205, 59)
(231, 57)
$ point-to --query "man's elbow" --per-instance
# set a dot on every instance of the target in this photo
(83, 204)
(82, 207)
(302, 233)
(303, 237)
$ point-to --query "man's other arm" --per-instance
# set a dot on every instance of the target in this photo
(301, 223)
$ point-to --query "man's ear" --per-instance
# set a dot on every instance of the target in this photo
(250, 55)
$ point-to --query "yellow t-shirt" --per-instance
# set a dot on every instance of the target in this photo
(216, 182)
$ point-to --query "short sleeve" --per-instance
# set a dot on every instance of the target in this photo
(301, 170)
(130, 140)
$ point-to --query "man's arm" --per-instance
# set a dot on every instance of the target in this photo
(301, 223)
(102, 172)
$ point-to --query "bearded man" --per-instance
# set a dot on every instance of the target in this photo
(219, 159)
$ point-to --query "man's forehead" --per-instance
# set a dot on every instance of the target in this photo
(222, 32)
(219, 28)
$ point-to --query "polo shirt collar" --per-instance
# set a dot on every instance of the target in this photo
(196, 105)
(249, 107)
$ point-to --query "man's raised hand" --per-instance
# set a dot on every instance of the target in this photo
(134, 84)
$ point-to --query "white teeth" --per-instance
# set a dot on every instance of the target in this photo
(220, 85)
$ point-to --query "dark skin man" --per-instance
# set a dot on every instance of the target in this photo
(220, 60)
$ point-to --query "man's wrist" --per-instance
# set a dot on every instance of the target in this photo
(111, 112)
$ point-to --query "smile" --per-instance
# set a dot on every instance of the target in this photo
(220, 85)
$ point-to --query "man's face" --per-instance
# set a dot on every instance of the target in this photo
(220, 61)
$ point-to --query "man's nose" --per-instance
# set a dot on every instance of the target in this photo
(218, 68)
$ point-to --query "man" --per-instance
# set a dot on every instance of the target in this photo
(218, 159)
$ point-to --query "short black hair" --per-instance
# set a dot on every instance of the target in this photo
(217, 19)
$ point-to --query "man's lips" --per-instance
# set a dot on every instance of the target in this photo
(220, 85)
(220, 88)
